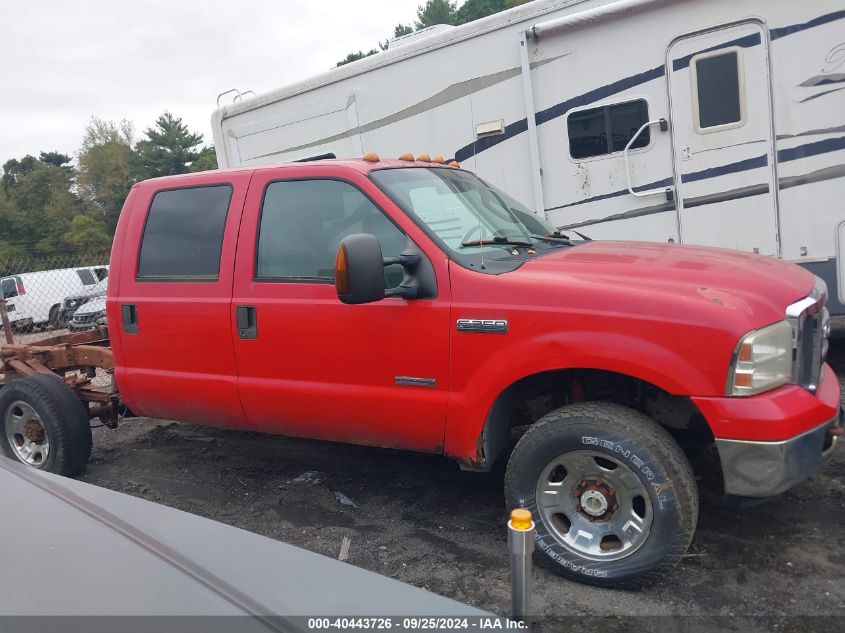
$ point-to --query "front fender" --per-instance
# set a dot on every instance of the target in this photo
(478, 379)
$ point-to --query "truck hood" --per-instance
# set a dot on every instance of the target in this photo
(97, 304)
(754, 286)
(98, 292)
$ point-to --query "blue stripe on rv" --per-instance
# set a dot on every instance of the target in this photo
(518, 127)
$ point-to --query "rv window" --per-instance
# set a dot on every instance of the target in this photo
(302, 225)
(86, 276)
(183, 237)
(608, 129)
(10, 288)
(716, 80)
(101, 273)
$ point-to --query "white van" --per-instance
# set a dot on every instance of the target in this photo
(34, 299)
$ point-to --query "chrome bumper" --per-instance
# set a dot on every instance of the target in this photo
(765, 469)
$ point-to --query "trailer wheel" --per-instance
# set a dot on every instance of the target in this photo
(614, 499)
(44, 425)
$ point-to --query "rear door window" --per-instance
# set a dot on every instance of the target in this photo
(9, 288)
(183, 236)
(86, 277)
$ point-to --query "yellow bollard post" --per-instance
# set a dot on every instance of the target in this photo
(521, 546)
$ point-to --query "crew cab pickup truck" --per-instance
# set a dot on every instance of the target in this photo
(406, 303)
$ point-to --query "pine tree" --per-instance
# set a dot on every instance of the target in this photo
(168, 149)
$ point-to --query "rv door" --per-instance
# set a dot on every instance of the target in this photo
(719, 90)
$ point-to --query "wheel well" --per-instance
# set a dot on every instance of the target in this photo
(530, 398)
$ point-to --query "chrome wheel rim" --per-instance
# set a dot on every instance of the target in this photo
(594, 505)
(26, 434)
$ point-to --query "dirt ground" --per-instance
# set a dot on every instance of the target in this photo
(420, 519)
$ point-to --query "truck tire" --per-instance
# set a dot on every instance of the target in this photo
(44, 425)
(613, 497)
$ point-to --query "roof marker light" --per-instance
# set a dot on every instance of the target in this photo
(406, 157)
(425, 158)
(371, 157)
(438, 159)
(454, 163)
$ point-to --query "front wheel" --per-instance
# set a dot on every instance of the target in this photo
(54, 321)
(612, 494)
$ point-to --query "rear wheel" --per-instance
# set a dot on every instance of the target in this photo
(44, 425)
(613, 496)
(24, 326)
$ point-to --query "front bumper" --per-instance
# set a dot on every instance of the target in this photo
(76, 325)
(765, 469)
(770, 442)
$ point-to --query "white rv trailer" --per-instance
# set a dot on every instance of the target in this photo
(717, 122)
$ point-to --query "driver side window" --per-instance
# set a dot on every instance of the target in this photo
(303, 222)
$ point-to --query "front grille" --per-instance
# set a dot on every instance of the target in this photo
(810, 327)
(84, 319)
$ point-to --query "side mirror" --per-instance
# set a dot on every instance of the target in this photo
(359, 270)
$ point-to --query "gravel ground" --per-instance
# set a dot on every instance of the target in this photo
(420, 519)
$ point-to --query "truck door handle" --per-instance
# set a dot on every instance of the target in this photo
(129, 316)
(247, 322)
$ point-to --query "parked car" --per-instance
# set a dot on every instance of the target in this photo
(72, 303)
(142, 558)
(35, 299)
(89, 315)
(408, 304)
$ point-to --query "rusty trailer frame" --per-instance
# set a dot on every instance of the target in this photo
(74, 357)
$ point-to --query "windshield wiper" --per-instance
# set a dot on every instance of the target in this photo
(554, 239)
(496, 241)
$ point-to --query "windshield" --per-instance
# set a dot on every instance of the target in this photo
(463, 211)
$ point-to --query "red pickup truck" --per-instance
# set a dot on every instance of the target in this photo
(408, 304)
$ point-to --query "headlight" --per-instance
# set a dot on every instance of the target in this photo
(762, 361)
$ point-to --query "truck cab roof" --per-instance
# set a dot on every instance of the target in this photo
(368, 163)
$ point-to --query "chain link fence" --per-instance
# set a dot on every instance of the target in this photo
(49, 296)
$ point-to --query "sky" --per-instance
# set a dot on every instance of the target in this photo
(66, 61)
